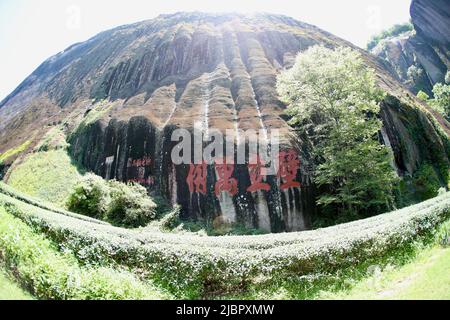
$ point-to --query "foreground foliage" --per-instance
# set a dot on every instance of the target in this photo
(193, 266)
(122, 204)
(49, 274)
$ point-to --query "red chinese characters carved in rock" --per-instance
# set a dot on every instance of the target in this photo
(148, 182)
(256, 178)
(289, 165)
(137, 163)
(196, 179)
(225, 180)
(137, 169)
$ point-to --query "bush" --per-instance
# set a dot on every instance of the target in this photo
(90, 197)
(426, 182)
(122, 204)
(130, 205)
(171, 219)
(423, 96)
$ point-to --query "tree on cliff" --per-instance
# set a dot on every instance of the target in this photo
(441, 100)
(333, 101)
(442, 97)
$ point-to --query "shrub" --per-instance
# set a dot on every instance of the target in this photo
(426, 182)
(8, 190)
(442, 98)
(171, 219)
(90, 197)
(122, 204)
(423, 96)
(130, 205)
(54, 139)
(443, 235)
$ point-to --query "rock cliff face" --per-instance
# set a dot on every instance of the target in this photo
(421, 58)
(120, 95)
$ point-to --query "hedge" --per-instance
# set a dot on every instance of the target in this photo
(190, 265)
(50, 274)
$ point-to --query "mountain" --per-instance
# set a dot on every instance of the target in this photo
(421, 58)
(120, 95)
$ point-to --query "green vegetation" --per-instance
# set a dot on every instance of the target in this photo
(12, 152)
(90, 196)
(426, 182)
(426, 277)
(194, 266)
(46, 175)
(441, 100)
(423, 96)
(333, 100)
(130, 205)
(55, 139)
(122, 204)
(50, 274)
(9, 290)
(8, 190)
(394, 31)
(99, 108)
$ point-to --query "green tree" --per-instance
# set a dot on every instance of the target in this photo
(393, 31)
(423, 96)
(333, 101)
(441, 100)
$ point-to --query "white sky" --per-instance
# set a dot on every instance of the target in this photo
(33, 30)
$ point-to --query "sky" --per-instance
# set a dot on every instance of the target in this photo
(33, 30)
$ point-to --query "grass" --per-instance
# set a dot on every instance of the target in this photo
(12, 152)
(48, 175)
(10, 290)
(421, 273)
(50, 274)
(427, 277)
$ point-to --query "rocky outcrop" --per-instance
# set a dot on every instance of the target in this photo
(132, 86)
(431, 19)
(421, 58)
